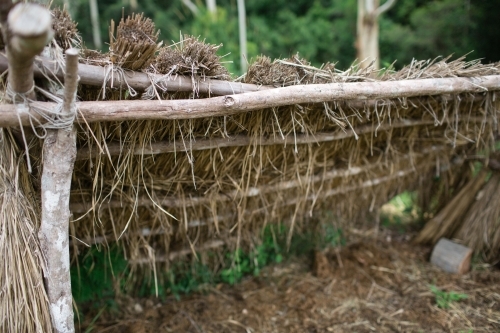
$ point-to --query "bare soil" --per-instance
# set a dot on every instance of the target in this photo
(380, 285)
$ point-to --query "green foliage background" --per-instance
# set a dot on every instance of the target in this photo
(320, 30)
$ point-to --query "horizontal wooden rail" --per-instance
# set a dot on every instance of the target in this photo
(234, 104)
(115, 148)
(96, 75)
(217, 243)
(172, 202)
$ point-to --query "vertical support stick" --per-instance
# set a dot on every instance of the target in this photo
(59, 153)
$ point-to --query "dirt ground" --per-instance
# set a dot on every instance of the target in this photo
(380, 285)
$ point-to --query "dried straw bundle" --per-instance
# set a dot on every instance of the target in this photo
(191, 57)
(449, 219)
(135, 45)
(23, 300)
(65, 29)
(480, 229)
(286, 72)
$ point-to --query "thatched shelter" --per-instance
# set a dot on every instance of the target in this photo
(174, 158)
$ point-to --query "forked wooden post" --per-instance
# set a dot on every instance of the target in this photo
(59, 153)
(29, 30)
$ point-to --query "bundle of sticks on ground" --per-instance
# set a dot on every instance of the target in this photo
(175, 159)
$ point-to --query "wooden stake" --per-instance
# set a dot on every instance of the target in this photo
(59, 152)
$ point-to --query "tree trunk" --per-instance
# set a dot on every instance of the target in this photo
(367, 25)
(242, 25)
(212, 7)
(94, 17)
(367, 31)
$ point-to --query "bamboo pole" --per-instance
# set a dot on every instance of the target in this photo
(236, 104)
(59, 152)
(94, 19)
(242, 29)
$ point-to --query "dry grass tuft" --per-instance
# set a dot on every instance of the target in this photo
(191, 57)
(23, 301)
(65, 29)
(134, 45)
(287, 72)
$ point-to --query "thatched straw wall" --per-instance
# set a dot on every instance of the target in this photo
(224, 178)
(164, 186)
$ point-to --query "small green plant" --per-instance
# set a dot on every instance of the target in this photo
(98, 275)
(239, 265)
(401, 212)
(187, 278)
(269, 251)
(444, 299)
(330, 236)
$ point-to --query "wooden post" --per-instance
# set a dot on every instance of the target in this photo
(59, 153)
(29, 29)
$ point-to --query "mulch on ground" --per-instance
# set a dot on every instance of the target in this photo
(380, 285)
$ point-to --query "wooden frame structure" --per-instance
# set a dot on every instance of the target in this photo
(231, 98)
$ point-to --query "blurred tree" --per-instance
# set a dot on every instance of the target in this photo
(242, 28)
(320, 30)
(211, 6)
(367, 40)
(428, 29)
(94, 17)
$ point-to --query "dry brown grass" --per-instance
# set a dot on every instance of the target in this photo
(23, 301)
(480, 228)
(191, 57)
